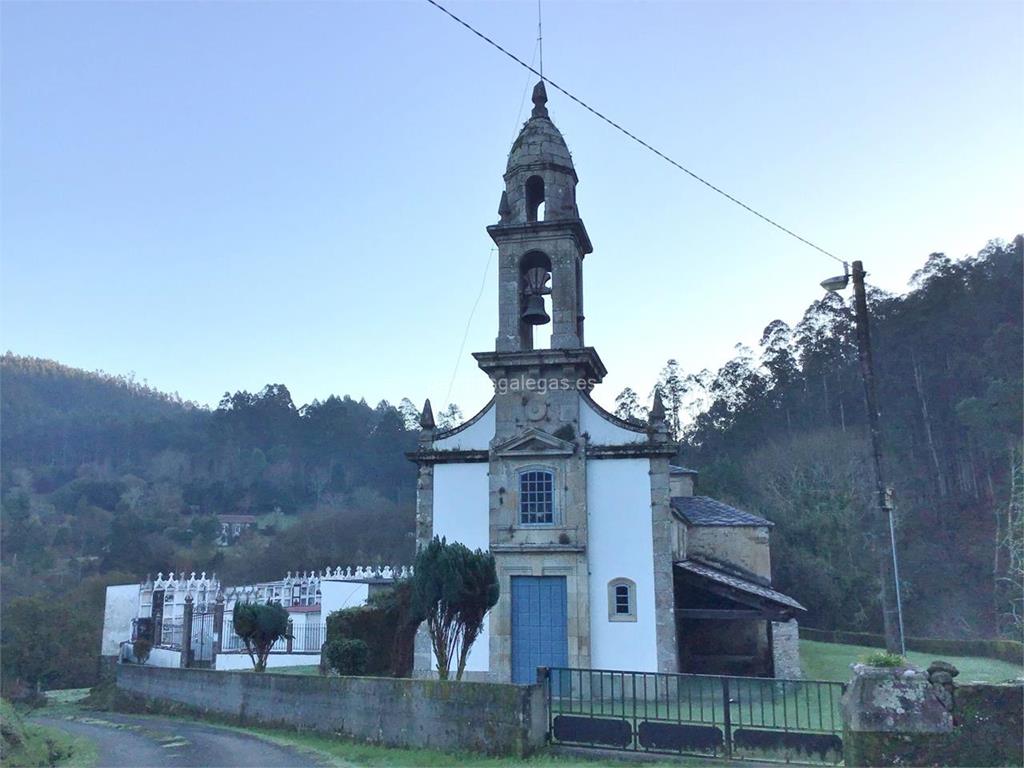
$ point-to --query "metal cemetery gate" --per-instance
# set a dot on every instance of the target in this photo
(201, 649)
(736, 717)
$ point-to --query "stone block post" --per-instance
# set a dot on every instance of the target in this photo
(186, 632)
(890, 714)
(905, 716)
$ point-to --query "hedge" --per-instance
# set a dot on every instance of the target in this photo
(388, 627)
(1010, 651)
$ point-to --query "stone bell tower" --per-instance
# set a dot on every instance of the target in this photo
(541, 245)
(537, 457)
(573, 502)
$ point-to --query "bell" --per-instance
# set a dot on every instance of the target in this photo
(534, 314)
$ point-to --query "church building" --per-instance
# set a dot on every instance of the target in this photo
(606, 558)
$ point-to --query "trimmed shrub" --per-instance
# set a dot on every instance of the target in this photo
(141, 649)
(346, 656)
(453, 587)
(259, 626)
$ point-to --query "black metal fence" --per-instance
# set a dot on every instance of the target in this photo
(201, 647)
(735, 717)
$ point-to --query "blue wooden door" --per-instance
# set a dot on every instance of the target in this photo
(539, 625)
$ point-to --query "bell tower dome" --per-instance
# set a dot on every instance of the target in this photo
(541, 239)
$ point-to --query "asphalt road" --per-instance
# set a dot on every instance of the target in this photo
(129, 741)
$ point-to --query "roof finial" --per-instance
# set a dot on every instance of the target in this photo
(657, 414)
(540, 98)
(427, 417)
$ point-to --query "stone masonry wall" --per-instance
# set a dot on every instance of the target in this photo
(909, 717)
(449, 716)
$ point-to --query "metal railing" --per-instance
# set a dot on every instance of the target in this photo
(170, 633)
(306, 638)
(749, 717)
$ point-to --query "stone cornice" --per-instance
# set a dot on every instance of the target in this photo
(538, 230)
(529, 549)
(430, 456)
(628, 451)
(583, 357)
(631, 451)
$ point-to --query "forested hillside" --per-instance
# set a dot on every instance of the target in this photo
(105, 480)
(782, 431)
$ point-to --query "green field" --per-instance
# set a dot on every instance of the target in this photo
(831, 661)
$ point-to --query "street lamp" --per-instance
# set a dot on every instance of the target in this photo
(892, 608)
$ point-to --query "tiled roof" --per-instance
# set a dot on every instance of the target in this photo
(721, 577)
(703, 510)
(675, 470)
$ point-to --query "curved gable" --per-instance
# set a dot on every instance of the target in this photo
(472, 435)
(605, 428)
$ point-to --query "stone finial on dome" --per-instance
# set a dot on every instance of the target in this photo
(540, 99)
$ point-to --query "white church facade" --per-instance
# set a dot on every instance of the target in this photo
(606, 557)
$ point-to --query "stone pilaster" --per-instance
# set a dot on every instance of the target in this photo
(424, 505)
(664, 542)
(786, 650)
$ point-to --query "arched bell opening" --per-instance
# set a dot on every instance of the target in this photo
(535, 275)
(535, 199)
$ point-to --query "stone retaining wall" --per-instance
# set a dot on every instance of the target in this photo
(478, 717)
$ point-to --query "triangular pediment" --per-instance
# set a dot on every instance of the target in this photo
(535, 442)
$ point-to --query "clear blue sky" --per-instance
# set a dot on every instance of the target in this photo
(221, 195)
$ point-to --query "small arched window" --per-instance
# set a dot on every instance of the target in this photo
(537, 497)
(621, 600)
(535, 199)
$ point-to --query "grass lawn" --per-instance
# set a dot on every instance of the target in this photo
(312, 669)
(831, 661)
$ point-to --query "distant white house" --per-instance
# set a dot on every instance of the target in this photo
(232, 527)
(157, 610)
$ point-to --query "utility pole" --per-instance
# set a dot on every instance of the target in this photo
(892, 610)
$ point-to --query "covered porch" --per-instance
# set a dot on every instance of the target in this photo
(729, 624)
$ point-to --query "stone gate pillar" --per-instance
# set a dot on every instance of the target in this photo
(218, 627)
(186, 632)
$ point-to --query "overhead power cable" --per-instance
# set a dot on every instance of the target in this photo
(633, 136)
(490, 255)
